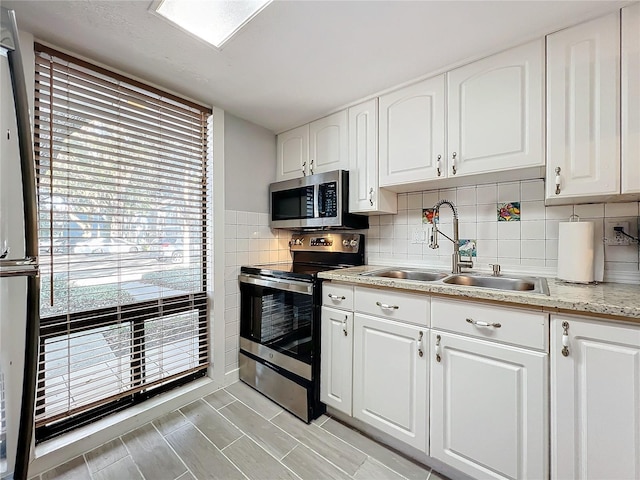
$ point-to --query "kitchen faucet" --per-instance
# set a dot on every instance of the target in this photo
(456, 262)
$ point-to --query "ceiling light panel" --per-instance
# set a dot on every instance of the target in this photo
(214, 21)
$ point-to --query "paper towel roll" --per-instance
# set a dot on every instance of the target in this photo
(575, 252)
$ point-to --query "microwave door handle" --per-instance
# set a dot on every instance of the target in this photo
(319, 191)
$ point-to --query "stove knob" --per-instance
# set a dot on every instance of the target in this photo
(345, 243)
(353, 243)
(298, 241)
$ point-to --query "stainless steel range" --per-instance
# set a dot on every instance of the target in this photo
(280, 319)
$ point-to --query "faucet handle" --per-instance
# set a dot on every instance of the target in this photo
(496, 269)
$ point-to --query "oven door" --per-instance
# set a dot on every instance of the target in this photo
(277, 321)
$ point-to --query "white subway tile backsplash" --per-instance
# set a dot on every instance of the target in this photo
(551, 229)
(467, 213)
(621, 209)
(508, 230)
(448, 194)
(532, 230)
(551, 249)
(532, 190)
(429, 199)
(402, 202)
(534, 210)
(590, 210)
(401, 217)
(509, 249)
(487, 230)
(414, 200)
(487, 248)
(533, 249)
(487, 212)
(466, 196)
(487, 194)
(561, 212)
(509, 192)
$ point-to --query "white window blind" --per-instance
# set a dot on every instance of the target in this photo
(121, 173)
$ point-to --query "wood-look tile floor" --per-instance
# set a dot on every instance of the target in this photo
(237, 433)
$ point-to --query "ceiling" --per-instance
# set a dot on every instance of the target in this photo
(297, 60)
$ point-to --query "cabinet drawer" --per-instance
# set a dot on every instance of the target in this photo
(406, 307)
(337, 295)
(520, 327)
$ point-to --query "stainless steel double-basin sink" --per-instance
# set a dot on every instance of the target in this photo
(502, 282)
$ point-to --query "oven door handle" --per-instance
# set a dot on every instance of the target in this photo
(277, 284)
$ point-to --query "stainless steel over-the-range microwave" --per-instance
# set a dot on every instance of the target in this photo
(314, 202)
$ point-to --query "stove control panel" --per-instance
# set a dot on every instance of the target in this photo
(327, 242)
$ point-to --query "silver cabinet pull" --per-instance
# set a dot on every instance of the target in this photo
(304, 168)
(344, 325)
(565, 339)
(558, 179)
(311, 167)
(389, 307)
(336, 297)
(420, 352)
(371, 196)
(438, 357)
(438, 165)
(453, 163)
(483, 324)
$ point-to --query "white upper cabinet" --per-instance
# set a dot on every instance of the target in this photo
(365, 194)
(631, 99)
(491, 117)
(318, 147)
(583, 110)
(595, 399)
(328, 144)
(412, 133)
(495, 112)
(293, 153)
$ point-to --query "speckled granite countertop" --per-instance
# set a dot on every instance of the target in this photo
(609, 300)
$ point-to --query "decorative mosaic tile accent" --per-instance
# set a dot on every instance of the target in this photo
(509, 212)
(429, 215)
(468, 247)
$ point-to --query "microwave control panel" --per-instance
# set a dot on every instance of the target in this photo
(328, 199)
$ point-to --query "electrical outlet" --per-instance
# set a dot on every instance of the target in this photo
(418, 235)
(613, 237)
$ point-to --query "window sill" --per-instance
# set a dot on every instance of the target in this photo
(58, 450)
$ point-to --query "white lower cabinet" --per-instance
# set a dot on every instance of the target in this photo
(488, 407)
(595, 399)
(390, 372)
(336, 356)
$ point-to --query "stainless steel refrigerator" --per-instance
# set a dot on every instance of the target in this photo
(19, 280)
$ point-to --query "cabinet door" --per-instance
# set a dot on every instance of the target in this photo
(390, 378)
(293, 153)
(412, 129)
(595, 400)
(336, 356)
(365, 196)
(488, 408)
(631, 99)
(495, 112)
(328, 144)
(583, 109)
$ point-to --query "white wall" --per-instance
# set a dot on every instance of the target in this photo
(250, 155)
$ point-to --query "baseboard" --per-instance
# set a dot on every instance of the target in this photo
(61, 449)
(231, 377)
